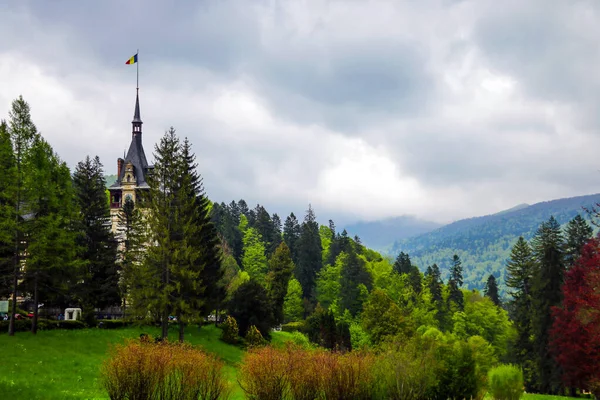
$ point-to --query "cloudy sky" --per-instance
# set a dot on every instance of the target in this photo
(366, 109)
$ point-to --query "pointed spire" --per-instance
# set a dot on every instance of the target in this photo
(136, 114)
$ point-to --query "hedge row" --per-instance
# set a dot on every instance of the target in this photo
(24, 325)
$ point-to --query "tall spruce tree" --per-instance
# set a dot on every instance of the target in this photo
(520, 267)
(100, 283)
(281, 268)
(578, 232)
(548, 244)
(402, 265)
(165, 234)
(22, 133)
(51, 269)
(491, 290)
(205, 239)
(291, 235)
(455, 283)
(132, 237)
(7, 210)
(354, 280)
(310, 260)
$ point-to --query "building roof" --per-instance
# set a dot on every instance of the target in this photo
(135, 154)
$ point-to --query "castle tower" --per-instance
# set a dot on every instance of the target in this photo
(132, 171)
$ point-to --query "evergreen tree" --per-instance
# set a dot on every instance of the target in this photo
(416, 280)
(491, 290)
(402, 265)
(309, 254)
(548, 243)
(254, 261)
(100, 283)
(291, 235)
(435, 284)
(7, 210)
(354, 279)
(51, 270)
(455, 283)
(204, 239)
(519, 279)
(292, 305)
(177, 258)
(578, 233)
(281, 267)
(22, 133)
(131, 236)
(250, 306)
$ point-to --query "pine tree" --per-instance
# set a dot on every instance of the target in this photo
(22, 133)
(416, 281)
(519, 279)
(292, 304)
(402, 265)
(164, 184)
(205, 239)
(281, 267)
(354, 277)
(254, 261)
(455, 283)
(491, 290)
(51, 269)
(548, 243)
(578, 233)
(310, 261)
(132, 238)
(100, 284)
(291, 235)
(7, 210)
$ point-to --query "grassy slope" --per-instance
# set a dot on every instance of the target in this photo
(65, 364)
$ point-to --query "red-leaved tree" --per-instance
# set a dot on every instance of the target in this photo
(575, 335)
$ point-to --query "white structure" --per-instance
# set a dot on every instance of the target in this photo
(72, 314)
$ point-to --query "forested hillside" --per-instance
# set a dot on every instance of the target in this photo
(484, 243)
(381, 234)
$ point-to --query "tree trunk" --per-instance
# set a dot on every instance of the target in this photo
(34, 321)
(181, 328)
(165, 324)
(217, 315)
(13, 311)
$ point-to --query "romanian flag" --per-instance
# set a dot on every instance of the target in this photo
(132, 60)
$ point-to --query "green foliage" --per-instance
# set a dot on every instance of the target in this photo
(254, 337)
(382, 318)
(298, 326)
(254, 261)
(281, 267)
(292, 304)
(100, 286)
(355, 282)
(491, 290)
(577, 233)
(506, 382)
(328, 282)
(310, 250)
(230, 332)
(250, 305)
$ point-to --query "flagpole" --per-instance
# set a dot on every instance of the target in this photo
(137, 83)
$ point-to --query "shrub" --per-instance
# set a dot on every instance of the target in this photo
(230, 331)
(407, 371)
(70, 325)
(293, 327)
(348, 376)
(302, 374)
(300, 340)
(264, 374)
(145, 370)
(506, 382)
(253, 337)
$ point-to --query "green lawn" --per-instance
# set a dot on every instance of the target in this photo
(63, 364)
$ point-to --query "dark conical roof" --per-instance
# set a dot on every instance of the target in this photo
(136, 154)
(136, 113)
